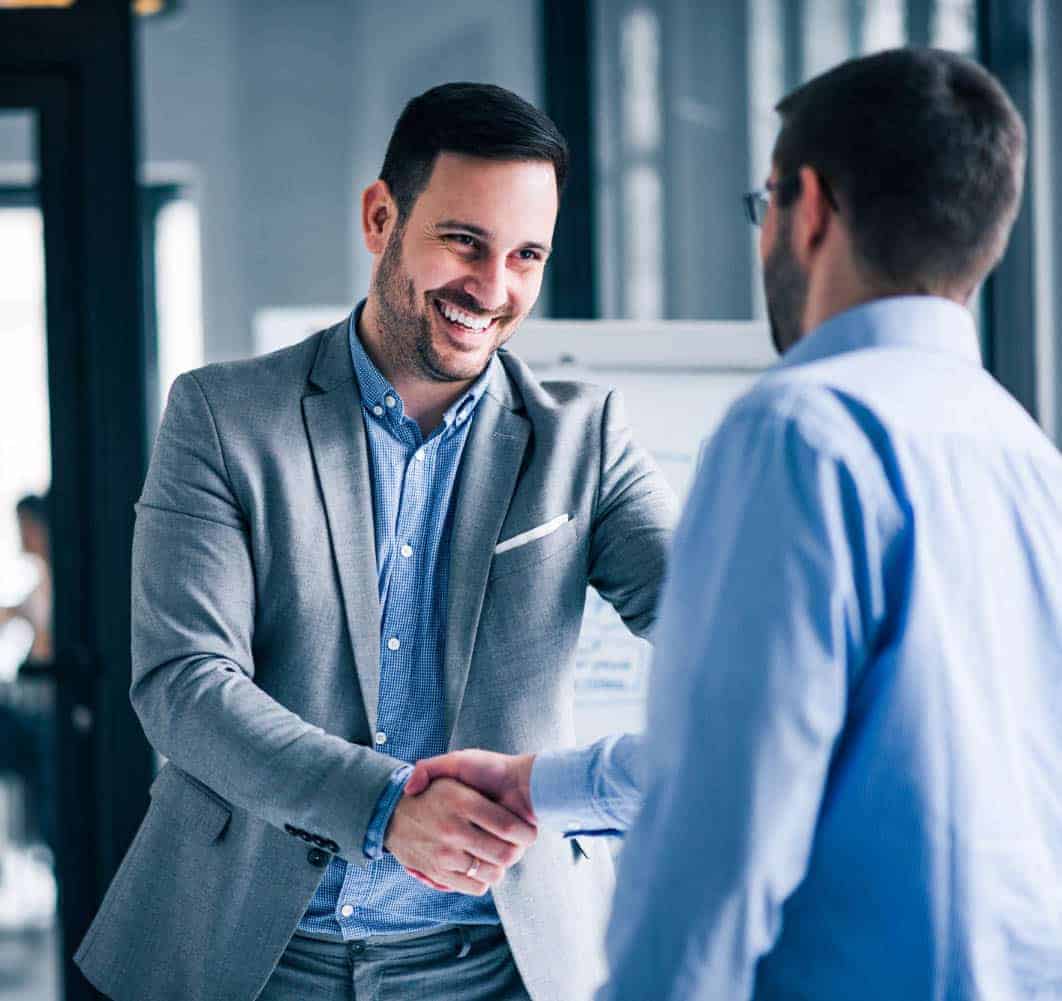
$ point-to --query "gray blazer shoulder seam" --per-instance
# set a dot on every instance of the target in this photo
(217, 438)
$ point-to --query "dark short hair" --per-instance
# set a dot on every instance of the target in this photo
(34, 507)
(475, 119)
(923, 152)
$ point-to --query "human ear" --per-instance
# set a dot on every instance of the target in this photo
(378, 215)
(811, 216)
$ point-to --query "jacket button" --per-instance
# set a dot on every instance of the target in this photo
(317, 857)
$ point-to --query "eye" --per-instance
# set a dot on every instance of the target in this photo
(463, 240)
(528, 254)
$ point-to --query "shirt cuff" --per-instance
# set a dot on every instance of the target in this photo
(385, 806)
(562, 791)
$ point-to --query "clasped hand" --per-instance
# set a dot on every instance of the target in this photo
(464, 820)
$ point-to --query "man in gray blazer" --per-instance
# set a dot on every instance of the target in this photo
(358, 552)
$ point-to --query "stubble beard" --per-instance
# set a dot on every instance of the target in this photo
(405, 329)
(785, 289)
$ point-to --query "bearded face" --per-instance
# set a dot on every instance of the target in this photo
(459, 274)
(785, 287)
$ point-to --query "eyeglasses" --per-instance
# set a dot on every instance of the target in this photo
(757, 202)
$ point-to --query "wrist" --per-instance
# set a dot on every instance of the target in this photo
(524, 765)
(377, 837)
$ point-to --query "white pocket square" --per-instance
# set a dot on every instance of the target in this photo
(532, 533)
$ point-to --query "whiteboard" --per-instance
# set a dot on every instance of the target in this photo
(677, 379)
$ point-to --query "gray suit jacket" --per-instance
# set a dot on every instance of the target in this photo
(256, 632)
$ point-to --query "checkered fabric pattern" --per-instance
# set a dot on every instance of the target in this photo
(412, 484)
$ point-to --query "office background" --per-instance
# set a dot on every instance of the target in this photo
(169, 171)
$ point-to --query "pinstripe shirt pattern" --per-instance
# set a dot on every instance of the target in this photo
(412, 488)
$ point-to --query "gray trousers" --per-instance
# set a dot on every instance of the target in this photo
(458, 963)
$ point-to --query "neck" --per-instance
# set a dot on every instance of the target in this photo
(424, 399)
(819, 310)
(838, 284)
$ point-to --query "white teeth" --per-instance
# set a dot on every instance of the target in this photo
(465, 319)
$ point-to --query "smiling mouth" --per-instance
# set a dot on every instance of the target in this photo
(461, 321)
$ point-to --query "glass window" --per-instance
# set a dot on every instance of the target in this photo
(686, 122)
(178, 292)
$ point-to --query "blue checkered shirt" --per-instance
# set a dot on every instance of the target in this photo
(412, 487)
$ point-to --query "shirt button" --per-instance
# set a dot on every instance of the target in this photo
(406, 550)
(378, 410)
(393, 643)
(419, 455)
(381, 737)
(389, 400)
(346, 910)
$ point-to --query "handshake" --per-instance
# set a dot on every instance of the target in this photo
(464, 820)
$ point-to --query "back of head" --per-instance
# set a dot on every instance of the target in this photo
(925, 155)
(33, 508)
(473, 119)
(33, 518)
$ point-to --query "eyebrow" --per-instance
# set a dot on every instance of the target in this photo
(486, 234)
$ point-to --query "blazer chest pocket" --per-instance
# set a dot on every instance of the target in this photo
(198, 813)
(523, 555)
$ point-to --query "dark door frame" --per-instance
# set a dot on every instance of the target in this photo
(74, 69)
(1005, 47)
(568, 64)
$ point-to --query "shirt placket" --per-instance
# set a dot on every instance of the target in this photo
(402, 637)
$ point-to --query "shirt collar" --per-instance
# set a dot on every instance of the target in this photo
(376, 390)
(923, 322)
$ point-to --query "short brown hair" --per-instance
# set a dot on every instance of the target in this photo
(925, 155)
(476, 119)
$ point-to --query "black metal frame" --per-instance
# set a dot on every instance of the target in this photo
(568, 72)
(74, 69)
(1005, 44)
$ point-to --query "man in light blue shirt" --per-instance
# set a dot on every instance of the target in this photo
(852, 780)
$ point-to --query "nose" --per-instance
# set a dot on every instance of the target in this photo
(487, 283)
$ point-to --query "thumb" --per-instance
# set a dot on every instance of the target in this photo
(442, 766)
(419, 780)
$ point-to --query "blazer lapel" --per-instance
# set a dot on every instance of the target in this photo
(341, 457)
(485, 484)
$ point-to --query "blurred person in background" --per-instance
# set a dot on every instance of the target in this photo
(26, 750)
(27, 884)
(36, 607)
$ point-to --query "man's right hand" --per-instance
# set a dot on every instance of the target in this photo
(505, 778)
(441, 832)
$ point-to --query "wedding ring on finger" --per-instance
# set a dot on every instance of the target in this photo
(473, 869)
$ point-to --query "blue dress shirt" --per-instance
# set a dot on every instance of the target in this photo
(855, 728)
(412, 487)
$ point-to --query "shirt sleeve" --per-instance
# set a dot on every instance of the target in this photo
(385, 806)
(595, 790)
(761, 620)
